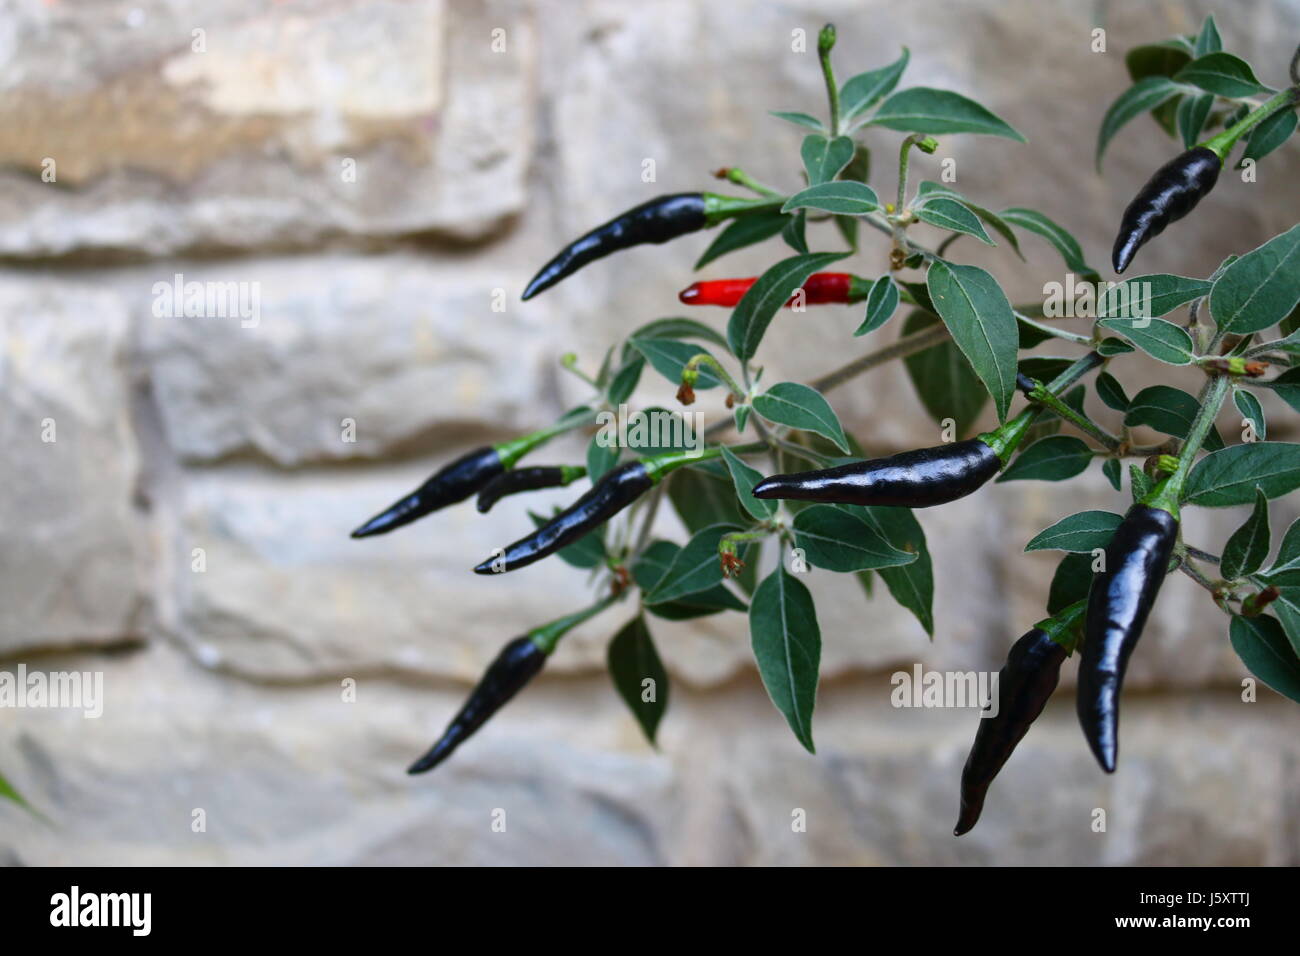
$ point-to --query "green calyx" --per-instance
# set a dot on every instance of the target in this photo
(718, 208)
(571, 473)
(660, 465)
(1005, 439)
(1164, 496)
(1064, 627)
(1222, 144)
(511, 450)
(548, 635)
(860, 289)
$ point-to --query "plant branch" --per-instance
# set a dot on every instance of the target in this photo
(901, 348)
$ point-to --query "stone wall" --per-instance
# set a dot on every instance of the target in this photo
(377, 171)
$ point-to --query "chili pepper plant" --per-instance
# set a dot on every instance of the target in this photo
(780, 469)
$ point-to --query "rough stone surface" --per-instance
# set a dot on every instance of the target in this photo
(70, 536)
(197, 501)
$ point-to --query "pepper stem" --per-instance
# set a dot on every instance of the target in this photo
(735, 174)
(512, 450)
(690, 373)
(657, 466)
(1167, 495)
(548, 635)
(1005, 439)
(718, 207)
(1041, 396)
(1222, 144)
(826, 43)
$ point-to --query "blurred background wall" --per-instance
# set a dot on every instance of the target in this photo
(378, 171)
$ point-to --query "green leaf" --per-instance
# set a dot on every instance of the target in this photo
(1193, 111)
(1034, 221)
(674, 327)
(838, 540)
(649, 571)
(1221, 74)
(633, 661)
(1111, 469)
(625, 381)
(1158, 59)
(695, 568)
(911, 584)
(1052, 459)
(1112, 346)
(844, 197)
(1248, 546)
(799, 119)
(1286, 387)
(787, 647)
(979, 317)
(1288, 554)
(600, 457)
(949, 214)
(653, 563)
(1208, 41)
(795, 232)
(882, 302)
(1251, 410)
(1139, 482)
(669, 357)
(746, 478)
(1160, 339)
(1144, 297)
(943, 379)
(1287, 608)
(587, 552)
(1110, 391)
(1264, 649)
(1261, 288)
(921, 109)
(1146, 94)
(1269, 135)
(796, 405)
(928, 188)
(823, 159)
(861, 92)
(702, 498)
(1169, 410)
(1070, 583)
(1082, 533)
(751, 317)
(1228, 477)
(744, 231)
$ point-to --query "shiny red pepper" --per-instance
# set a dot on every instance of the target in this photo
(822, 288)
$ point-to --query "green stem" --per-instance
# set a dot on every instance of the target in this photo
(512, 450)
(1040, 395)
(659, 465)
(718, 207)
(826, 43)
(1169, 492)
(1005, 439)
(907, 345)
(690, 373)
(1222, 144)
(738, 176)
(548, 635)
(727, 543)
(1062, 627)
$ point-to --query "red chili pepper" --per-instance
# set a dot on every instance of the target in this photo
(822, 288)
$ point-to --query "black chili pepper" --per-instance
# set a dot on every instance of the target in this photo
(1119, 601)
(517, 664)
(617, 489)
(1025, 683)
(527, 479)
(450, 484)
(1168, 196)
(913, 479)
(659, 220)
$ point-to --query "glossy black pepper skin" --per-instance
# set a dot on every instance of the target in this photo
(913, 479)
(615, 491)
(1025, 683)
(1118, 603)
(517, 480)
(1168, 196)
(450, 484)
(517, 664)
(659, 220)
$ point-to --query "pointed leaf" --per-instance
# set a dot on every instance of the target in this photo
(861, 92)
(1051, 459)
(1082, 532)
(1248, 546)
(824, 158)
(978, 315)
(922, 109)
(1229, 476)
(695, 568)
(1261, 288)
(751, 317)
(838, 540)
(744, 231)
(882, 302)
(1264, 649)
(639, 675)
(844, 197)
(787, 648)
(746, 478)
(796, 405)
(1146, 94)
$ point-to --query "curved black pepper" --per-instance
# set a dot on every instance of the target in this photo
(517, 664)
(450, 484)
(1168, 196)
(615, 491)
(517, 480)
(1025, 683)
(659, 220)
(913, 479)
(1119, 600)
